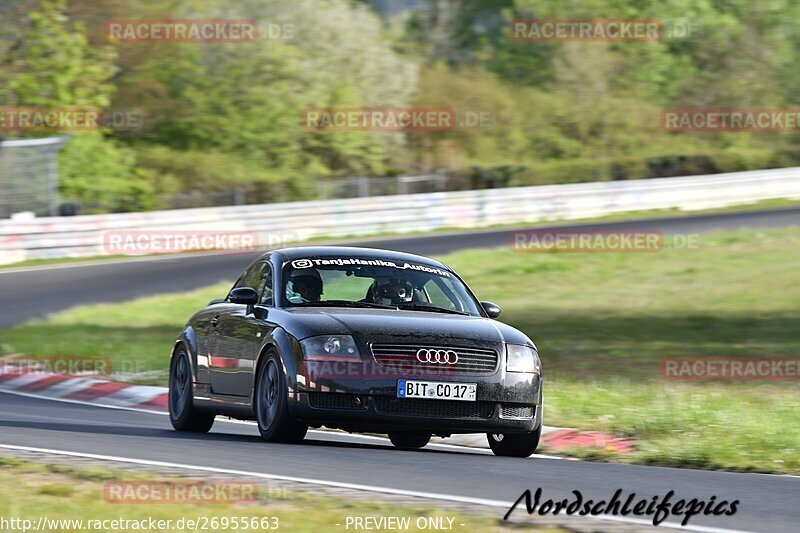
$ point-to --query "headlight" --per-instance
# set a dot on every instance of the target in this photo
(330, 347)
(521, 358)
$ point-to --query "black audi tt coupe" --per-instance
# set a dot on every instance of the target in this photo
(361, 340)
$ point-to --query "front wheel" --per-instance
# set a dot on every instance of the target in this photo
(271, 404)
(515, 444)
(410, 441)
(183, 415)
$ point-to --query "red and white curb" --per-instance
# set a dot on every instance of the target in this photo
(89, 389)
(96, 391)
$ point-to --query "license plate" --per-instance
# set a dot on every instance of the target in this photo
(436, 390)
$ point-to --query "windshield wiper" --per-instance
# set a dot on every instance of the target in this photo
(344, 303)
(427, 307)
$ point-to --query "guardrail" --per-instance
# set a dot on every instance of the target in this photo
(82, 236)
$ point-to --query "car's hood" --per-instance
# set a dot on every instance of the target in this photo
(401, 326)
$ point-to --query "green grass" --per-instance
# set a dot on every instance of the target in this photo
(137, 336)
(61, 261)
(602, 323)
(33, 490)
(606, 314)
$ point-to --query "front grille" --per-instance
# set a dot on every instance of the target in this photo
(333, 400)
(403, 358)
(433, 408)
(516, 411)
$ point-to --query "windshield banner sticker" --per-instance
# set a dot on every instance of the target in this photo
(309, 263)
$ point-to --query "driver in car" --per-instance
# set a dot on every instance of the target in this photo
(304, 287)
(391, 291)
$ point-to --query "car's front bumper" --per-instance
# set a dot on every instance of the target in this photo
(505, 402)
(373, 415)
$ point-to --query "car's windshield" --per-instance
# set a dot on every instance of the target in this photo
(374, 283)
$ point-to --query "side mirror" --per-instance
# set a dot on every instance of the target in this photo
(243, 295)
(493, 310)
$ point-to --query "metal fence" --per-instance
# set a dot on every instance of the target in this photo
(196, 198)
(29, 176)
(29, 183)
(363, 187)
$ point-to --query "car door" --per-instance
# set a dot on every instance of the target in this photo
(238, 331)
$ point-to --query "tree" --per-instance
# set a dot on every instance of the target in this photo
(53, 65)
(246, 99)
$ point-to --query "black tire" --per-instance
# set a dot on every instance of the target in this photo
(410, 441)
(183, 415)
(515, 444)
(271, 404)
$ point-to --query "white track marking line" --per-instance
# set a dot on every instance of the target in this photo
(80, 402)
(352, 435)
(351, 486)
(384, 440)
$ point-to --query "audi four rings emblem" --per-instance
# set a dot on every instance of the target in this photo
(425, 355)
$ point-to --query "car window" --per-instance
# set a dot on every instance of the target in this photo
(253, 277)
(339, 286)
(437, 296)
(370, 282)
(266, 286)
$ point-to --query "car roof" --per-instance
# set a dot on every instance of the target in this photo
(353, 251)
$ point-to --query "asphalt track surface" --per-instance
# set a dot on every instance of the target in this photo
(36, 292)
(767, 502)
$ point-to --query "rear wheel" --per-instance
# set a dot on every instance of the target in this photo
(183, 415)
(410, 441)
(271, 404)
(515, 444)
